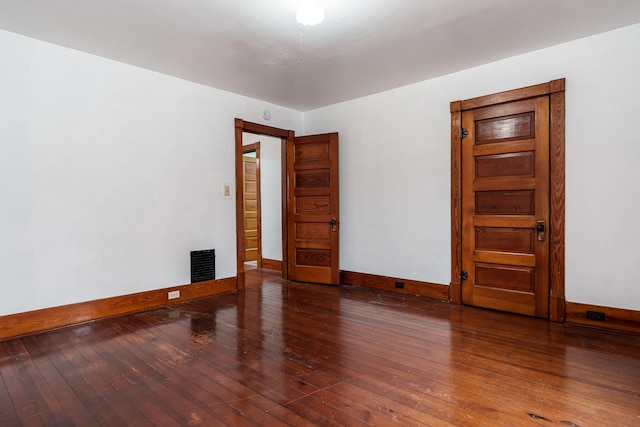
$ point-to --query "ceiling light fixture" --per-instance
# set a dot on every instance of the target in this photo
(310, 13)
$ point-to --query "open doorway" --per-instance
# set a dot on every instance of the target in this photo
(251, 206)
(270, 235)
(262, 158)
(309, 206)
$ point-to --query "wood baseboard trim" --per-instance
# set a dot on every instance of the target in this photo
(271, 264)
(386, 283)
(19, 324)
(618, 319)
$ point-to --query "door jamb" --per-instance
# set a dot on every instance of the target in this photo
(242, 126)
(555, 89)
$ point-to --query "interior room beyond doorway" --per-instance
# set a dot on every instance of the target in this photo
(270, 200)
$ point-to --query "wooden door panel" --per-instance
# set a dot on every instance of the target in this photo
(312, 179)
(494, 298)
(510, 164)
(252, 243)
(313, 194)
(505, 192)
(313, 232)
(505, 277)
(313, 205)
(310, 257)
(250, 188)
(313, 153)
(505, 239)
(514, 127)
(251, 226)
(505, 202)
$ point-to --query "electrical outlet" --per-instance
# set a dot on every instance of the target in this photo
(173, 295)
(595, 315)
(400, 285)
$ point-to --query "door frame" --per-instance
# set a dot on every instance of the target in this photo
(555, 89)
(241, 127)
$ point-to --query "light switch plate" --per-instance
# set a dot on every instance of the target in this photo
(226, 190)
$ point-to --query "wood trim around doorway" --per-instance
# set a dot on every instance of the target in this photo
(556, 91)
(241, 127)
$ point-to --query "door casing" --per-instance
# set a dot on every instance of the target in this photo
(555, 89)
(242, 126)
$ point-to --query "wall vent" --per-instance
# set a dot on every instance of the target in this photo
(203, 265)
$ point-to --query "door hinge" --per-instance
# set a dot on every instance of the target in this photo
(464, 275)
(464, 133)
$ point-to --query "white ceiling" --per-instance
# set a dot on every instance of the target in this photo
(256, 47)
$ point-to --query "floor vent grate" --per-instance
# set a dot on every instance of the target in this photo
(203, 265)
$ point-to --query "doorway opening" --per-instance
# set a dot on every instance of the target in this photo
(252, 204)
(309, 188)
(255, 242)
(263, 163)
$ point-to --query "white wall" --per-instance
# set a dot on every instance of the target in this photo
(395, 167)
(270, 193)
(110, 175)
(271, 197)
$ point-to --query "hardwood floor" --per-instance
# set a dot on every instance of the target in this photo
(299, 354)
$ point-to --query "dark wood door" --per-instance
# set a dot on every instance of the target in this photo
(313, 242)
(505, 207)
(250, 211)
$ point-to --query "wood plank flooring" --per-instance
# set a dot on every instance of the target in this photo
(284, 353)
